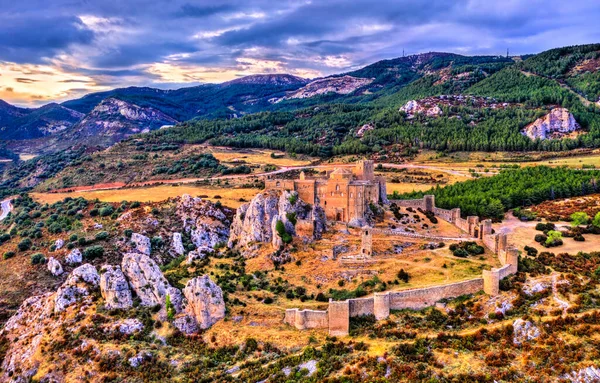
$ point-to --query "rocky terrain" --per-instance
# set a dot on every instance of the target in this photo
(556, 124)
(432, 106)
(22, 123)
(340, 85)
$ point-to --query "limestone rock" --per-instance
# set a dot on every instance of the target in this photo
(413, 107)
(145, 279)
(255, 221)
(139, 359)
(204, 301)
(556, 124)
(364, 129)
(207, 224)
(59, 243)
(177, 244)
(75, 257)
(524, 331)
(198, 254)
(340, 85)
(54, 267)
(177, 299)
(585, 375)
(76, 287)
(129, 326)
(141, 243)
(187, 324)
(114, 288)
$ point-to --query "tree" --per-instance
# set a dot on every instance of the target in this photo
(554, 238)
(579, 218)
(596, 220)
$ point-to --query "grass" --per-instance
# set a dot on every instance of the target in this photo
(257, 157)
(230, 196)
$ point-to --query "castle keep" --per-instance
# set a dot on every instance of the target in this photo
(344, 194)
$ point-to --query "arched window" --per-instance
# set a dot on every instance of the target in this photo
(351, 195)
(332, 194)
(337, 187)
(278, 184)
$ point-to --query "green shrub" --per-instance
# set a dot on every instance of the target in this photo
(37, 258)
(25, 244)
(106, 211)
(93, 252)
(8, 254)
(101, 235)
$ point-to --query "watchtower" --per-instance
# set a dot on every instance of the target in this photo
(365, 170)
(366, 245)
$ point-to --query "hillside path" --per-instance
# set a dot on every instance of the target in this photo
(563, 85)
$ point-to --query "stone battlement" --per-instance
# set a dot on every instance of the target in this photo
(337, 317)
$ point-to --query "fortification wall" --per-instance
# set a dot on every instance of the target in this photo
(444, 214)
(414, 203)
(420, 298)
(337, 317)
(306, 319)
(361, 306)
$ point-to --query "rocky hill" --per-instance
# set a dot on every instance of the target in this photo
(557, 124)
(21, 123)
(340, 85)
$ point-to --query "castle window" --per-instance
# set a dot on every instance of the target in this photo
(342, 194)
(332, 194)
(278, 184)
(351, 195)
(337, 187)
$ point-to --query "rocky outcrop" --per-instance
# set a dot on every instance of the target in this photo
(54, 267)
(556, 124)
(177, 244)
(524, 331)
(59, 243)
(114, 288)
(128, 326)
(74, 257)
(256, 221)
(413, 107)
(364, 129)
(339, 85)
(77, 286)
(141, 243)
(145, 279)
(207, 225)
(204, 301)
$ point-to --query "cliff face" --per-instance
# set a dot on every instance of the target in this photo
(256, 221)
(556, 124)
(339, 85)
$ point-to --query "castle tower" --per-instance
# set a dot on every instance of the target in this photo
(366, 245)
(365, 170)
(429, 200)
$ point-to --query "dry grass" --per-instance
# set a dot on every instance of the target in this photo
(229, 196)
(257, 157)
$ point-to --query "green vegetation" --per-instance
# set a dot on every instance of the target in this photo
(492, 196)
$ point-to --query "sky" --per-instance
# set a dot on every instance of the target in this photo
(54, 50)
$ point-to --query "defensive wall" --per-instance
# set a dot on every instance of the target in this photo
(337, 317)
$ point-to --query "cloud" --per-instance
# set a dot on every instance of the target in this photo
(64, 48)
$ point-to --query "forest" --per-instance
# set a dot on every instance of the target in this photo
(491, 197)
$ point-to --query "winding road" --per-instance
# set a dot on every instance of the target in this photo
(6, 208)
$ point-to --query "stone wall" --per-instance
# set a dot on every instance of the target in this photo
(421, 298)
(361, 306)
(337, 317)
(306, 319)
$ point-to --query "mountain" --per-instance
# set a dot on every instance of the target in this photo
(21, 123)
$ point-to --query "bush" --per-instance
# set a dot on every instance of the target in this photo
(531, 251)
(8, 254)
(403, 276)
(540, 238)
(25, 244)
(101, 235)
(462, 253)
(106, 211)
(93, 252)
(579, 238)
(37, 258)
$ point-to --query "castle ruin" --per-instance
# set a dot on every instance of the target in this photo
(344, 195)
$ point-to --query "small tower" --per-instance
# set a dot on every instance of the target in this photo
(366, 245)
(365, 170)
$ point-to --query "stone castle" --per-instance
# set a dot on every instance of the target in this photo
(344, 195)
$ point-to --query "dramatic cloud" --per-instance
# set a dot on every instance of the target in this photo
(63, 48)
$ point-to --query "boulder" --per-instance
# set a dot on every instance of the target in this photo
(114, 288)
(76, 287)
(145, 279)
(54, 267)
(141, 243)
(524, 331)
(256, 220)
(59, 243)
(198, 254)
(206, 223)
(129, 326)
(204, 301)
(74, 258)
(186, 323)
(177, 244)
(556, 124)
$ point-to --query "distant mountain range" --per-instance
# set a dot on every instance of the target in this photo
(105, 118)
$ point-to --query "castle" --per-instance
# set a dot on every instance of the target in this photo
(343, 194)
